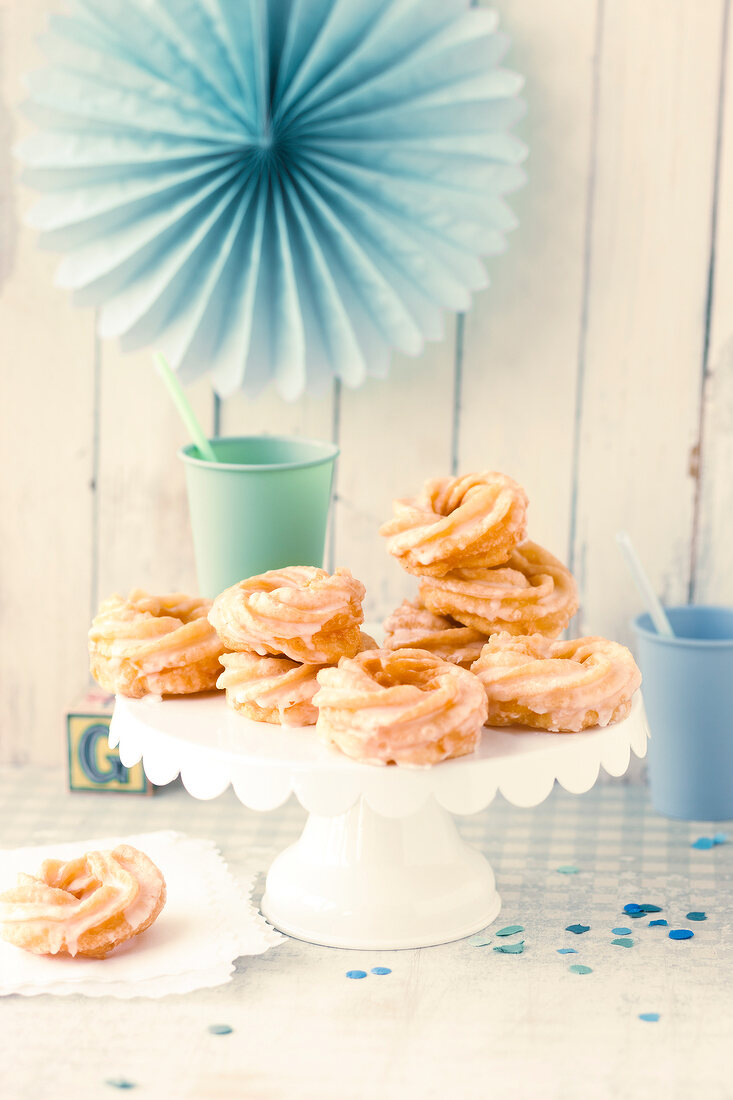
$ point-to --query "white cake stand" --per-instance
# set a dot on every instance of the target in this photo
(380, 863)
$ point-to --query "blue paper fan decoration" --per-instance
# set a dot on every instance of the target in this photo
(279, 190)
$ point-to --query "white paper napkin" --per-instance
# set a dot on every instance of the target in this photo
(208, 921)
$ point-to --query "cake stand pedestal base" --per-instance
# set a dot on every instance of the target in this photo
(380, 864)
(363, 880)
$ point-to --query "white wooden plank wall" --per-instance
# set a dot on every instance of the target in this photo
(711, 578)
(47, 550)
(597, 369)
(517, 401)
(641, 355)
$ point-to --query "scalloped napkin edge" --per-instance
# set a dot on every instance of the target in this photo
(208, 922)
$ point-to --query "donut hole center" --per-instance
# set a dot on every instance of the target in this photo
(448, 498)
(190, 616)
(161, 607)
(444, 504)
(404, 674)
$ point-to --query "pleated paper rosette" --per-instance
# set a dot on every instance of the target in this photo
(277, 190)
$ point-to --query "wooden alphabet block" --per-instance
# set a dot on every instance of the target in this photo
(93, 765)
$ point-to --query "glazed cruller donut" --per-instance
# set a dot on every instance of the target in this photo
(154, 645)
(412, 626)
(273, 689)
(301, 612)
(560, 686)
(88, 906)
(532, 593)
(400, 707)
(270, 689)
(457, 522)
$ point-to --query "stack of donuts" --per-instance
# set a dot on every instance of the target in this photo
(279, 630)
(492, 602)
(478, 646)
(272, 633)
(296, 656)
(293, 654)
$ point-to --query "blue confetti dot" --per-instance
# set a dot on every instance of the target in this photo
(566, 951)
(381, 970)
(511, 948)
(220, 1029)
(356, 973)
(681, 934)
(621, 931)
(120, 1083)
(578, 929)
(720, 838)
(632, 907)
(696, 916)
(703, 843)
(657, 923)
(650, 1017)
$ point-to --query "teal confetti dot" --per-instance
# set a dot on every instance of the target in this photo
(120, 1083)
(578, 968)
(650, 1017)
(624, 941)
(681, 934)
(381, 970)
(568, 869)
(621, 931)
(220, 1029)
(510, 930)
(511, 948)
(566, 951)
(578, 929)
(657, 923)
(480, 940)
(696, 916)
(720, 838)
(703, 843)
(356, 973)
(646, 908)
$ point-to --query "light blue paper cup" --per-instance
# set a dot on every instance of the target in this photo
(688, 695)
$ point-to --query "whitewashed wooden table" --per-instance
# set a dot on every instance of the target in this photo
(452, 1021)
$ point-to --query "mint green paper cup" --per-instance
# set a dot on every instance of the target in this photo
(263, 505)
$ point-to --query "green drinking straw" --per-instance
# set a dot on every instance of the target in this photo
(182, 404)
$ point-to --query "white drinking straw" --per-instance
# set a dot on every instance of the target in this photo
(642, 582)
